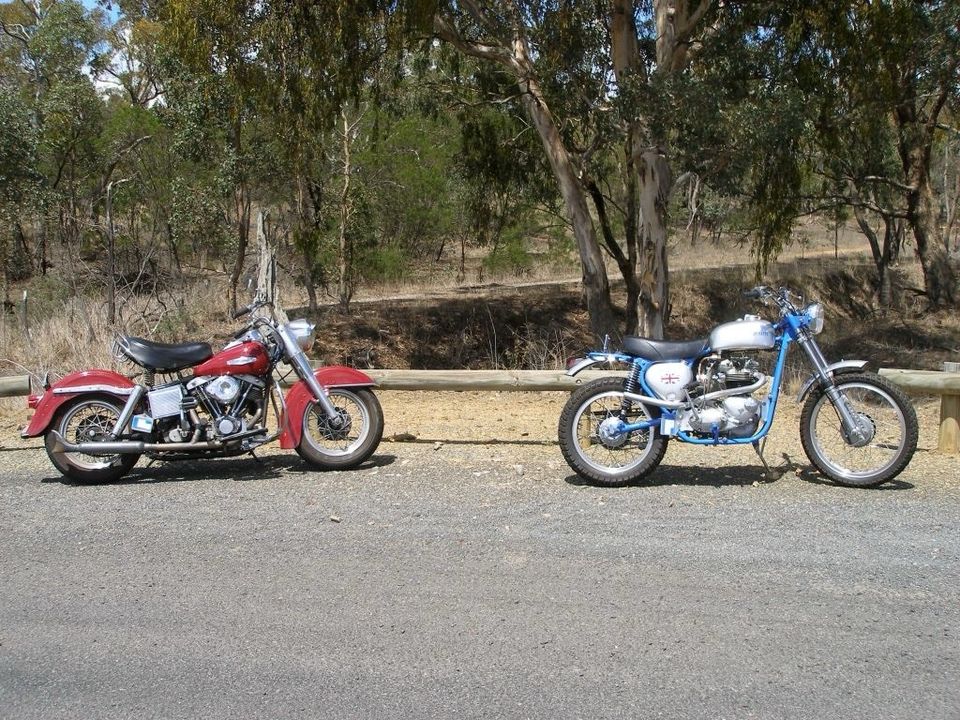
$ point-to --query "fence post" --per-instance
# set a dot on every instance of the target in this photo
(25, 316)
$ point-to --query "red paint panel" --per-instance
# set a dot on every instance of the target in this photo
(249, 358)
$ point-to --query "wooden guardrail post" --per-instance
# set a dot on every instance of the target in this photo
(935, 382)
(950, 414)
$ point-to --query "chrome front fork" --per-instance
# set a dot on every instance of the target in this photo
(856, 432)
(298, 360)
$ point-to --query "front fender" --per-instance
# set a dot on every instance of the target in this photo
(838, 368)
(299, 397)
(103, 382)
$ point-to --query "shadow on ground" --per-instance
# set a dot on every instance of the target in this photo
(739, 476)
(239, 470)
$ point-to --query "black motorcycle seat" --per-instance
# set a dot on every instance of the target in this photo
(163, 357)
(660, 350)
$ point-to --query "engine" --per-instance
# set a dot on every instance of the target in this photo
(722, 397)
(208, 408)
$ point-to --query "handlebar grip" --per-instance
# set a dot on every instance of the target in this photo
(754, 294)
(241, 312)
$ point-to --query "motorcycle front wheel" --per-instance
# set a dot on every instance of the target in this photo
(84, 420)
(589, 447)
(344, 443)
(886, 415)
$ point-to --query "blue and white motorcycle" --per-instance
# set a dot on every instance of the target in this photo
(856, 427)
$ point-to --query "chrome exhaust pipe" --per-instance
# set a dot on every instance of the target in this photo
(127, 447)
(709, 397)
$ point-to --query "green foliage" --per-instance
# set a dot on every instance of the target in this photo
(510, 256)
(384, 264)
(196, 219)
(406, 164)
(19, 177)
(786, 108)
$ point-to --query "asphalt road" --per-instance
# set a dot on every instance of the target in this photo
(474, 581)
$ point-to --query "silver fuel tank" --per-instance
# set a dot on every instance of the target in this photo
(750, 333)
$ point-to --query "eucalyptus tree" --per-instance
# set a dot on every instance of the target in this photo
(47, 49)
(19, 186)
(879, 77)
(293, 65)
(584, 74)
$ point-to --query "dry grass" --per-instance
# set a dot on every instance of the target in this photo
(532, 321)
(78, 335)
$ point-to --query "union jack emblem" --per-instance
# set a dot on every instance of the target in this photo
(669, 379)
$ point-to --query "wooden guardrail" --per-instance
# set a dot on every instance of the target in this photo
(489, 380)
(935, 382)
(14, 386)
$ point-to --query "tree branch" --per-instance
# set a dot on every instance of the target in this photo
(32, 8)
(684, 32)
(613, 247)
(481, 18)
(445, 30)
(8, 30)
(889, 181)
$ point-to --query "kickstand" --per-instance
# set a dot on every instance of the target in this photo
(759, 445)
(253, 454)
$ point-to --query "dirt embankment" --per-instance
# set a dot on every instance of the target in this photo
(539, 325)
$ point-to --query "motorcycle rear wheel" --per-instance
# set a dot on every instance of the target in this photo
(885, 410)
(326, 445)
(615, 462)
(87, 419)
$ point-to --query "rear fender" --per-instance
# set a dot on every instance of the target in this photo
(331, 376)
(576, 365)
(100, 382)
(838, 368)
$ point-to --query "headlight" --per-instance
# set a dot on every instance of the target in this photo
(815, 313)
(303, 332)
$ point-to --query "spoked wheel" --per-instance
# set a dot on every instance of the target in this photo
(345, 441)
(887, 420)
(85, 420)
(591, 444)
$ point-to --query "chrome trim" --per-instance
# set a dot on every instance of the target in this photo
(112, 389)
(200, 380)
(127, 413)
(829, 370)
(242, 360)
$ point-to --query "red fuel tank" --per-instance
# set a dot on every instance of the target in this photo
(248, 358)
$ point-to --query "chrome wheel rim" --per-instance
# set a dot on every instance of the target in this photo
(341, 440)
(869, 404)
(89, 422)
(613, 456)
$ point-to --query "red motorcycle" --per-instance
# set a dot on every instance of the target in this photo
(191, 403)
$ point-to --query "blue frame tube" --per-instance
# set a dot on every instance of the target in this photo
(787, 336)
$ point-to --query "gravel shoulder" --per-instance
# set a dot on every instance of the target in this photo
(450, 577)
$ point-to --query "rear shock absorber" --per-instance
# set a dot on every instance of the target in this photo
(630, 385)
